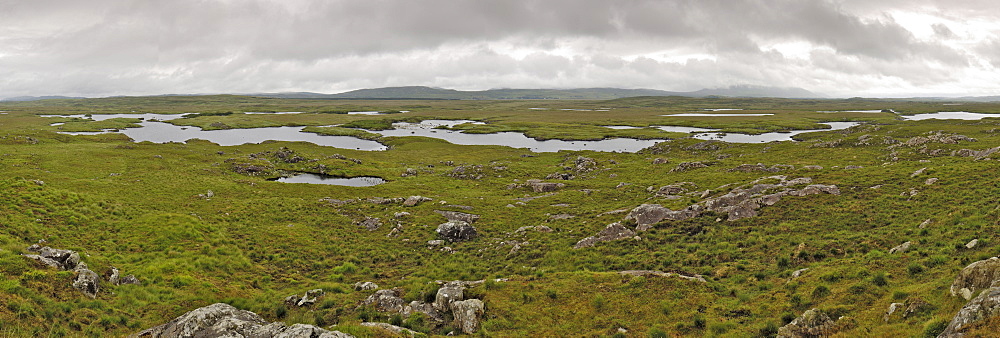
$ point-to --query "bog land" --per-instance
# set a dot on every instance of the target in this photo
(827, 232)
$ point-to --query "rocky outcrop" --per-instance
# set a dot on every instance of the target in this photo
(740, 202)
(399, 330)
(977, 276)
(56, 258)
(538, 186)
(86, 280)
(457, 231)
(812, 323)
(760, 167)
(657, 273)
(370, 224)
(425, 308)
(977, 154)
(986, 306)
(900, 248)
(224, 320)
(309, 298)
(115, 278)
(458, 216)
(685, 166)
(447, 294)
(385, 301)
(415, 200)
(467, 314)
(613, 231)
(365, 286)
(938, 137)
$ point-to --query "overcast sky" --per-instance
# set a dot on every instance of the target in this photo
(839, 48)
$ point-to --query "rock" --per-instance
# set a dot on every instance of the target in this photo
(900, 248)
(224, 320)
(851, 167)
(457, 231)
(86, 281)
(448, 294)
(425, 308)
(915, 306)
(113, 276)
(657, 273)
(543, 228)
(984, 307)
(613, 231)
(972, 243)
(435, 242)
(467, 314)
(308, 299)
(759, 167)
(385, 301)
(458, 216)
(812, 167)
(977, 276)
(647, 215)
(812, 323)
(924, 224)
(365, 286)
(931, 181)
(537, 186)
(130, 279)
(892, 309)
(660, 160)
(685, 166)
(918, 172)
(57, 258)
(399, 330)
(415, 200)
(409, 172)
(400, 214)
(371, 224)
(797, 273)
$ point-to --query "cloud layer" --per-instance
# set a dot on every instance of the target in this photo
(843, 48)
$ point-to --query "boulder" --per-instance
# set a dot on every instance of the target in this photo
(224, 320)
(458, 216)
(467, 314)
(977, 276)
(986, 306)
(613, 231)
(544, 187)
(385, 301)
(457, 231)
(425, 308)
(972, 243)
(931, 181)
(900, 248)
(892, 309)
(86, 281)
(365, 286)
(399, 330)
(447, 294)
(647, 215)
(812, 323)
(57, 258)
(415, 200)
(371, 224)
(685, 166)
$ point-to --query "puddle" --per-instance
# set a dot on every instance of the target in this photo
(675, 129)
(721, 109)
(272, 112)
(714, 115)
(364, 113)
(948, 115)
(309, 178)
(770, 137)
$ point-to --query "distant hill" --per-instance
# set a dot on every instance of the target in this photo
(420, 92)
(36, 98)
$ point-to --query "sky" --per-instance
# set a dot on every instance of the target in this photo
(839, 48)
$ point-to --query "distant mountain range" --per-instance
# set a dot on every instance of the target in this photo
(420, 92)
(36, 98)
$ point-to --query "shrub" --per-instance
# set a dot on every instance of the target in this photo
(599, 302)
(934, 327)
(820, 291)
(915, 268)
(657, 333)
(880, 279)
(768, 330)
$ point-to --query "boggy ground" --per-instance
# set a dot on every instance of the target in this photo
(146, 209)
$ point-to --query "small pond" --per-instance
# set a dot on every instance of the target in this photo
(948, 115)
(310, 178)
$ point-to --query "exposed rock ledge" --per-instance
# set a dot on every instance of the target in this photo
(224, 320)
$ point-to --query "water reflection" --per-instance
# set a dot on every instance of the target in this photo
(310, 178)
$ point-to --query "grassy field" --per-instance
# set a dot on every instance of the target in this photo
(142, 207)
